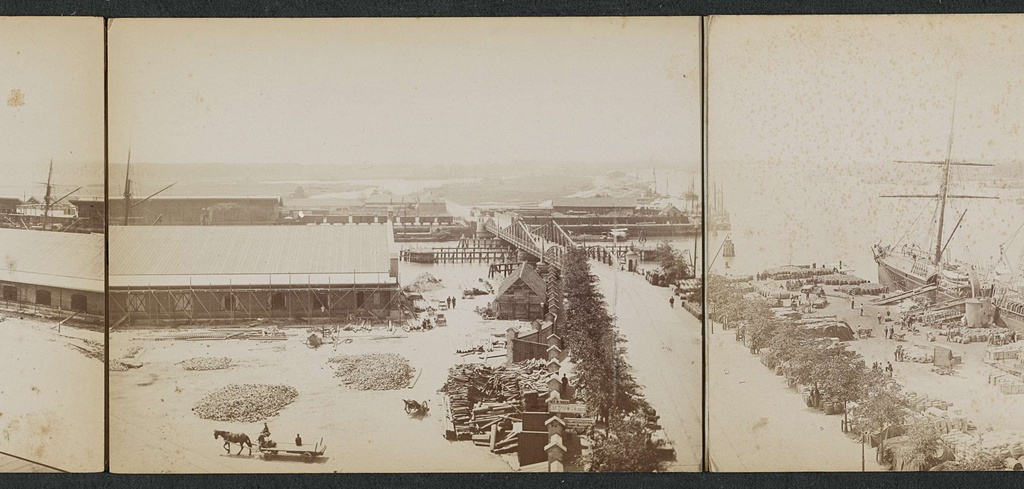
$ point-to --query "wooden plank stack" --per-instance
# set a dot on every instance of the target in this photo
(483, 403)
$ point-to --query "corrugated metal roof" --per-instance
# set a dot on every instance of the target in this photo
(52, 259)
(249, 255)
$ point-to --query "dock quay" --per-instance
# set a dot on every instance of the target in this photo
(456, 254)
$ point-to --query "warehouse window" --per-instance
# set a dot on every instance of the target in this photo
(360, 299)
(43, 297)
(136, 303)
(321, 299)
(183, 302)
(230, 302)
(79, 303)
(278, 301)
(10, 293)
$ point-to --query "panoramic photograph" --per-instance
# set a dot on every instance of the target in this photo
(51, 240)
(865, 208)
(449, 245)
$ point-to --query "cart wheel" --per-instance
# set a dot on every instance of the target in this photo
(308, 457)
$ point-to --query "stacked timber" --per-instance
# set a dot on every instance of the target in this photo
(481, 398)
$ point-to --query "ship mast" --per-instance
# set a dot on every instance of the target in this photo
(944, 190)
(944, 194)
(47, 197)
(127, 187)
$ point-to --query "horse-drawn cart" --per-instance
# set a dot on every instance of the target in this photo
(307, 452)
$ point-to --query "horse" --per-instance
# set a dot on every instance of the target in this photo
(240, 438)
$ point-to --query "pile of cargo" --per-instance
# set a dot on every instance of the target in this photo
(479, 397)
(245, 403)
(998, 336)
(1007, 352)
(374, 371)
(921, 403)
(1005, 444)
(866, 288)
(918, 354)
(840, 279)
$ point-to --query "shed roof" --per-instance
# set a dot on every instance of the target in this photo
(52, 259)
(174, 256)
(527, 274)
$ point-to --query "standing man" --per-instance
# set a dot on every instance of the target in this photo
(879, 317)
(672, 302)
(453, 303)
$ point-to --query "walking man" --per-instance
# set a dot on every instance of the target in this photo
(672, 302)
(453, 303)
(862, 310)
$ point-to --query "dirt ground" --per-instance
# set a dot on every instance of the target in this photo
(968, 390)
(154, 430)
(51, 395)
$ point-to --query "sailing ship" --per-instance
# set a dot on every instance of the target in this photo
(128, 196)
(718, 217)
(912, 268)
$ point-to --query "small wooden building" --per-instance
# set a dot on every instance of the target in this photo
(522, 295)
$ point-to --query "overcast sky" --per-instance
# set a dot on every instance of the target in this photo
(865, 88)
(418, 91)
(51, 88)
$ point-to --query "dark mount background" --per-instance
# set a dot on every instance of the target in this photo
(505, 8)
(493, 8)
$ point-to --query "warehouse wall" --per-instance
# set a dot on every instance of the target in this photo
(62, 301)
(202, 304)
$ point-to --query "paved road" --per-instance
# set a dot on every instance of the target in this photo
(664, 347)
(757, 423)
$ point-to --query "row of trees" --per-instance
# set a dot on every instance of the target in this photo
(674, 265)
(839, 374)
(603, 377)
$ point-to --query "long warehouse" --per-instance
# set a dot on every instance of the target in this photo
(52, 273)
(230, 273)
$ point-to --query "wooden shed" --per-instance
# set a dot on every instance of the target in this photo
(522, 295)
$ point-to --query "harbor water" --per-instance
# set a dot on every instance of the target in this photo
(784, 216)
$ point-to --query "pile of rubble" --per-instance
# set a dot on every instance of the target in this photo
(375, 371)
(120, 365)
(245, 403)
(206, 363)
(425, 282)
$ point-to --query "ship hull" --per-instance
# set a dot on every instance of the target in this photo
(1010, 314)
(896, 279)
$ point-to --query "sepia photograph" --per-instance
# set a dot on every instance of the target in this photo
(866, 205)
(51, 240)
(405, 245)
